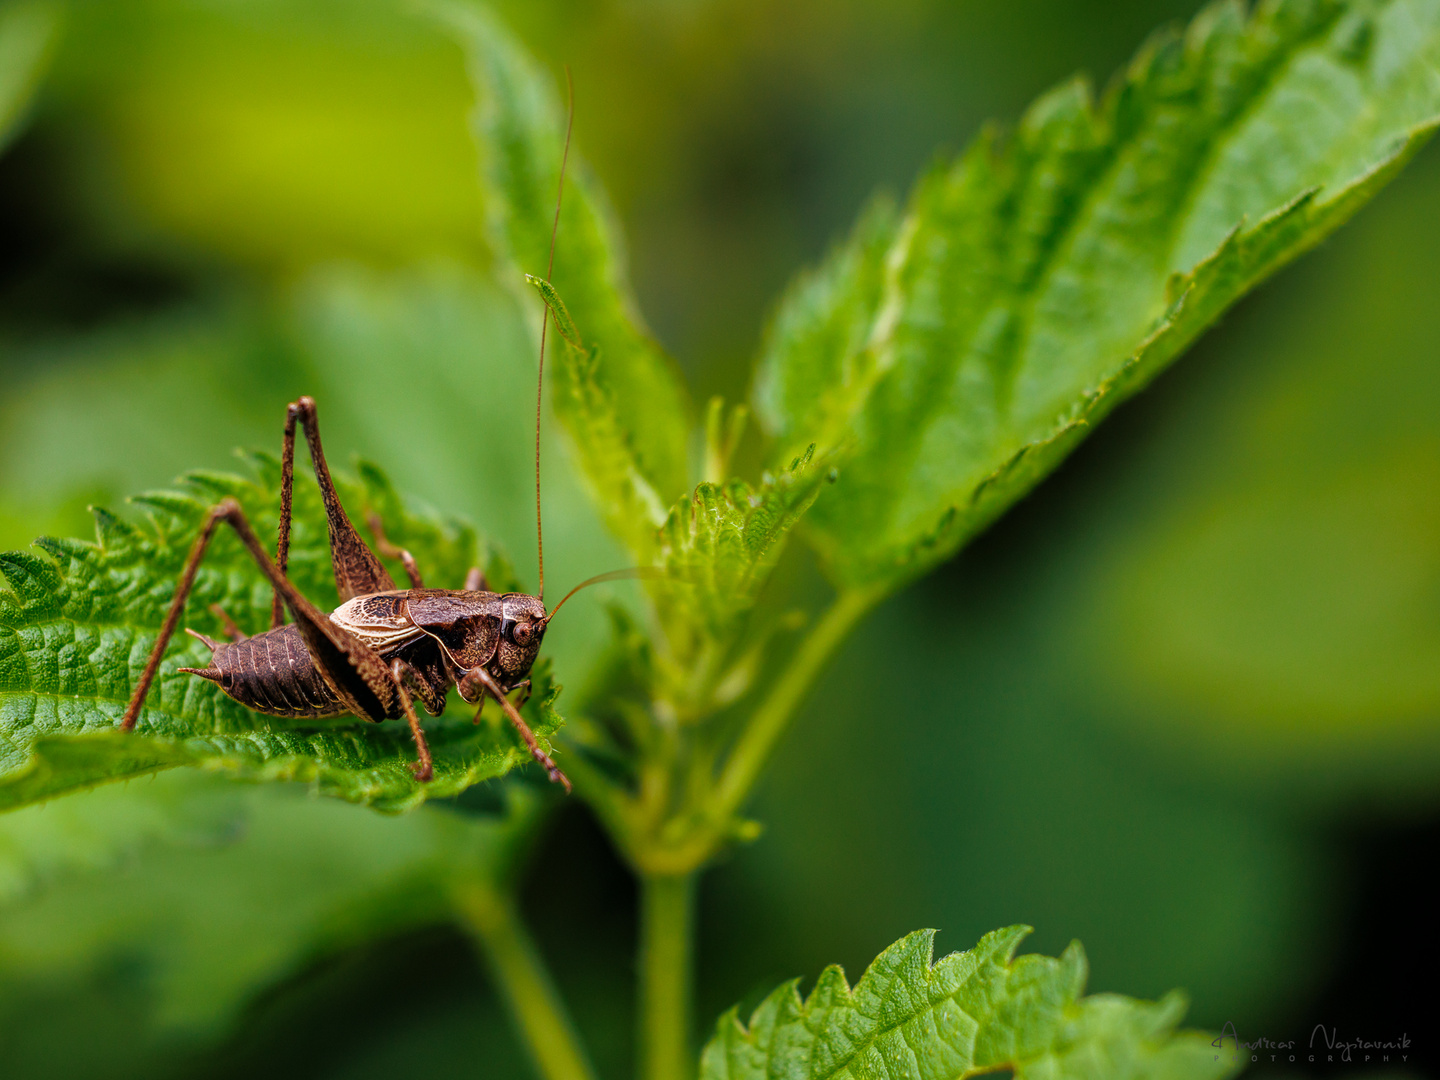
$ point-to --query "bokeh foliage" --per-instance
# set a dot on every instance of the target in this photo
(184, 897)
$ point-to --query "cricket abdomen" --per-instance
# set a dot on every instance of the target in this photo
(272, 673)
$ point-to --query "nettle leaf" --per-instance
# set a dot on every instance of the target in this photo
(28, 29)
(972, 1012)
(719, 545)
(627, 501)
(956, 352)
(621, 399)
(80, 619)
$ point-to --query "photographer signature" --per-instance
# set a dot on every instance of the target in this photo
(1325, 1045)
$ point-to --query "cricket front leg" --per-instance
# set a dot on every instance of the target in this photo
(524, 688)
(479, 677)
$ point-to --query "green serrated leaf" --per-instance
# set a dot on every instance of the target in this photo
(622, 401)
(719, 545)
(628, 502)
(972, 1012)
(955, 354)
(28, 29)
(80, 619)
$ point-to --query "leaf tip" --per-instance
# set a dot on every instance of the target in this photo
(1076, 966)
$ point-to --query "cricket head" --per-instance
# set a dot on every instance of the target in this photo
(523, 621)
(522, 628)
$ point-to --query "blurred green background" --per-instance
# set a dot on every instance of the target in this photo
(1182, 704)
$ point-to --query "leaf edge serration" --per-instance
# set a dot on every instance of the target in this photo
(1041, 1025)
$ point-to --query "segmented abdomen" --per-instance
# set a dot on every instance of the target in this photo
(273, 673)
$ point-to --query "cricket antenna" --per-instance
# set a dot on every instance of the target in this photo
(545, 322)
(630, 572)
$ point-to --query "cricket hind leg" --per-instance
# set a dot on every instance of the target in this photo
(357, 570)
(363, 682)
(172, 619)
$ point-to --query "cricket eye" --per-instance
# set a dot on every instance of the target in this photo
(523, 633)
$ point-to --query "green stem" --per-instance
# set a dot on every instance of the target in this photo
(769, 721)
(667, 909)
(519, 974)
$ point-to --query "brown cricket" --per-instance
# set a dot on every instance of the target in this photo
(383, 646)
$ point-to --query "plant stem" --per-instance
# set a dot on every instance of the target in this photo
(768, 722)
(667, 909)
(519, 974)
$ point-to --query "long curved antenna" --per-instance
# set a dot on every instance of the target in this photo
(545, 322)
(630, 572)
